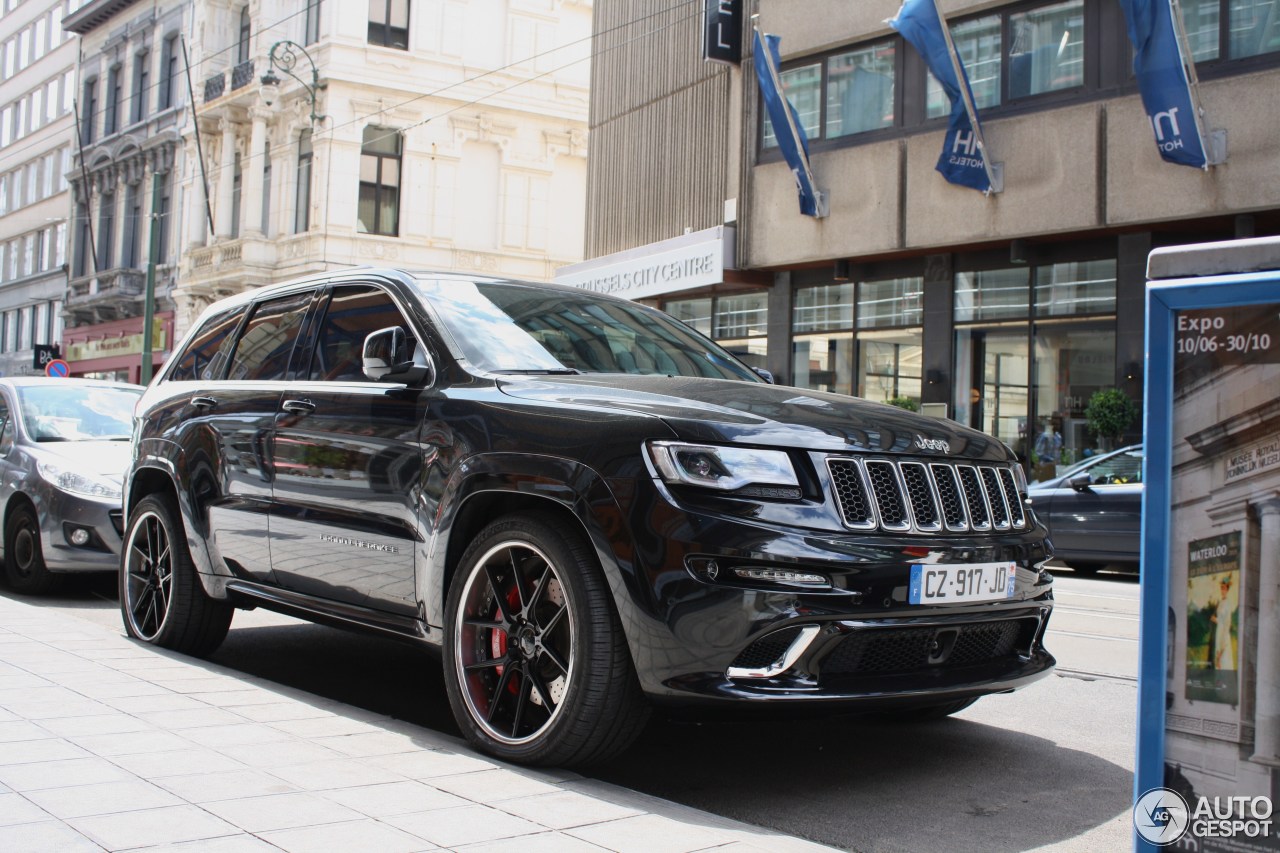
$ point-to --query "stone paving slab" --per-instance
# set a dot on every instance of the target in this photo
(108, 744)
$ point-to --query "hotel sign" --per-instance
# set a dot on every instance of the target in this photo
(722, 31)
(683, 263)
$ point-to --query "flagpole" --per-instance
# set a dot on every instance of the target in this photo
(791, 119)
(1193, 80)
(965, 97)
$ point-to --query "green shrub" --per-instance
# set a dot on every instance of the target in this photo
(1110, 412)
(904, 403)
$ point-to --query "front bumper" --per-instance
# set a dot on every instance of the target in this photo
(702, 634)
(60, 513)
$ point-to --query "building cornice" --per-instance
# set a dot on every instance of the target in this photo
(93, 15)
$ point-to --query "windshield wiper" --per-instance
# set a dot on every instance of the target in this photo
(542, 371)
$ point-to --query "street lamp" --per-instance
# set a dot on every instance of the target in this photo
(284, 55)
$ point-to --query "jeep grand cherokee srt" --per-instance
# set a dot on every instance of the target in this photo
(585, 506)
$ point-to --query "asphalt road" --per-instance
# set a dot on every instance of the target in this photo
(1048, 767)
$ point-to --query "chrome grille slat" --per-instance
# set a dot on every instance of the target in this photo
(924, 496)
(1016, 513)
(995, 497)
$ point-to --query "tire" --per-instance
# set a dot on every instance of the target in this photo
(538, 671)
(161, 599)
(24, 566)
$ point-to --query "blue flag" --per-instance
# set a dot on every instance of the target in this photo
(786, 123)
(1162, 79)
(962, 158)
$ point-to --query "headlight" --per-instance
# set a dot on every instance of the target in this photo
(77, 483)
(1020, 479)
(728, 469)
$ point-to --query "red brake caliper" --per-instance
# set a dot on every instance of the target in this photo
(498, 639)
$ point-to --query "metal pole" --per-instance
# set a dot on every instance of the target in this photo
(92, 248)
(149, 300)
(195, 124)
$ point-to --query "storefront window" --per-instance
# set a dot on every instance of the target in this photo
(821, 309)
(1072, 289)
(992, 294)
(692, 312)
(1072, 362)
(889, 365)
(741, 316)
(991, 382)
(823, 362)
(891, 302)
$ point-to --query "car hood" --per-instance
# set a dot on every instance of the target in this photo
(725, 411)
(107, 459)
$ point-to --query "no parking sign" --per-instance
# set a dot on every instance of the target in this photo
(58, 368)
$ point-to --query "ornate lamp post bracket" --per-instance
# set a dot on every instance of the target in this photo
(284, 55)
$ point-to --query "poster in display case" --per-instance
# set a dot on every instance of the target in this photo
(1208, 763)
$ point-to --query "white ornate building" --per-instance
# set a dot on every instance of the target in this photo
(434, 134)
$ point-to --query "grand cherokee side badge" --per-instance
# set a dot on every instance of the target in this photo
(932, 444)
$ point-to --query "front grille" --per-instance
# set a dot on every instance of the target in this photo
(766, 650)
(900, 650)
(918, 497)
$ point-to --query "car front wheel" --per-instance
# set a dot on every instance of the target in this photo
(23, 555)
(537, 666)
(161, 598)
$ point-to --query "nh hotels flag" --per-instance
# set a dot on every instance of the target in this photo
(1162, 79)
(963, 158)
(786, 124)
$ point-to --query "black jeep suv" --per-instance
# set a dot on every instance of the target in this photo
(584, 505)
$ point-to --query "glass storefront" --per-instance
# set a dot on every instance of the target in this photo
(822, 339)
(1032, 345)
(739, 323)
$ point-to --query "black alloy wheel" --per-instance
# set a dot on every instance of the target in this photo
(537, 666)
(161, 599)
(24, 565)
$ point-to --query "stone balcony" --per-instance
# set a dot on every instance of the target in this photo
(108, 295)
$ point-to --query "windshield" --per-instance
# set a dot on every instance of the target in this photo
(512, 328)
(77, 412)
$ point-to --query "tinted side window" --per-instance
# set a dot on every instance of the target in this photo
(354, 312)
(206, 355)
(264, 348)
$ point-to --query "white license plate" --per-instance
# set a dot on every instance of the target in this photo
(938, 584)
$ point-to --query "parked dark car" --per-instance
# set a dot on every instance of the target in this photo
(1094, 510)
(64, 448)
(584, 505)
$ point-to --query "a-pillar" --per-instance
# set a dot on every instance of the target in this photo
(1266, 746)
(226, 179)
(251, 194)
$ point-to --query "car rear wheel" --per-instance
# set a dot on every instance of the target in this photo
(161, 598)
(537, 666)
(23, 555)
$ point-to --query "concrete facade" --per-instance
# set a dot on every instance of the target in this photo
(481, 112)
(36, 133)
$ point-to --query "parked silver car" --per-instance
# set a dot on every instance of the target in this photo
(64, 446)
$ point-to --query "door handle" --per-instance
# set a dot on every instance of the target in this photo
(299, 407)
(204, 402)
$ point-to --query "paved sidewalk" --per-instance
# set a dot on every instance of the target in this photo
(107, 744)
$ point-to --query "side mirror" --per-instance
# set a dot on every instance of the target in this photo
(1081, 482)
(766, 375)
(388, 357)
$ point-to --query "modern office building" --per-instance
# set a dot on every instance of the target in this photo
(131, 109)
(444, 135)
(37, 90)
(1006, 310)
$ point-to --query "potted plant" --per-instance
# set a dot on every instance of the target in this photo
(1110, 412)
(904, 403)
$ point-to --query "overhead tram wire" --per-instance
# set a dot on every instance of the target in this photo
(437, 92)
